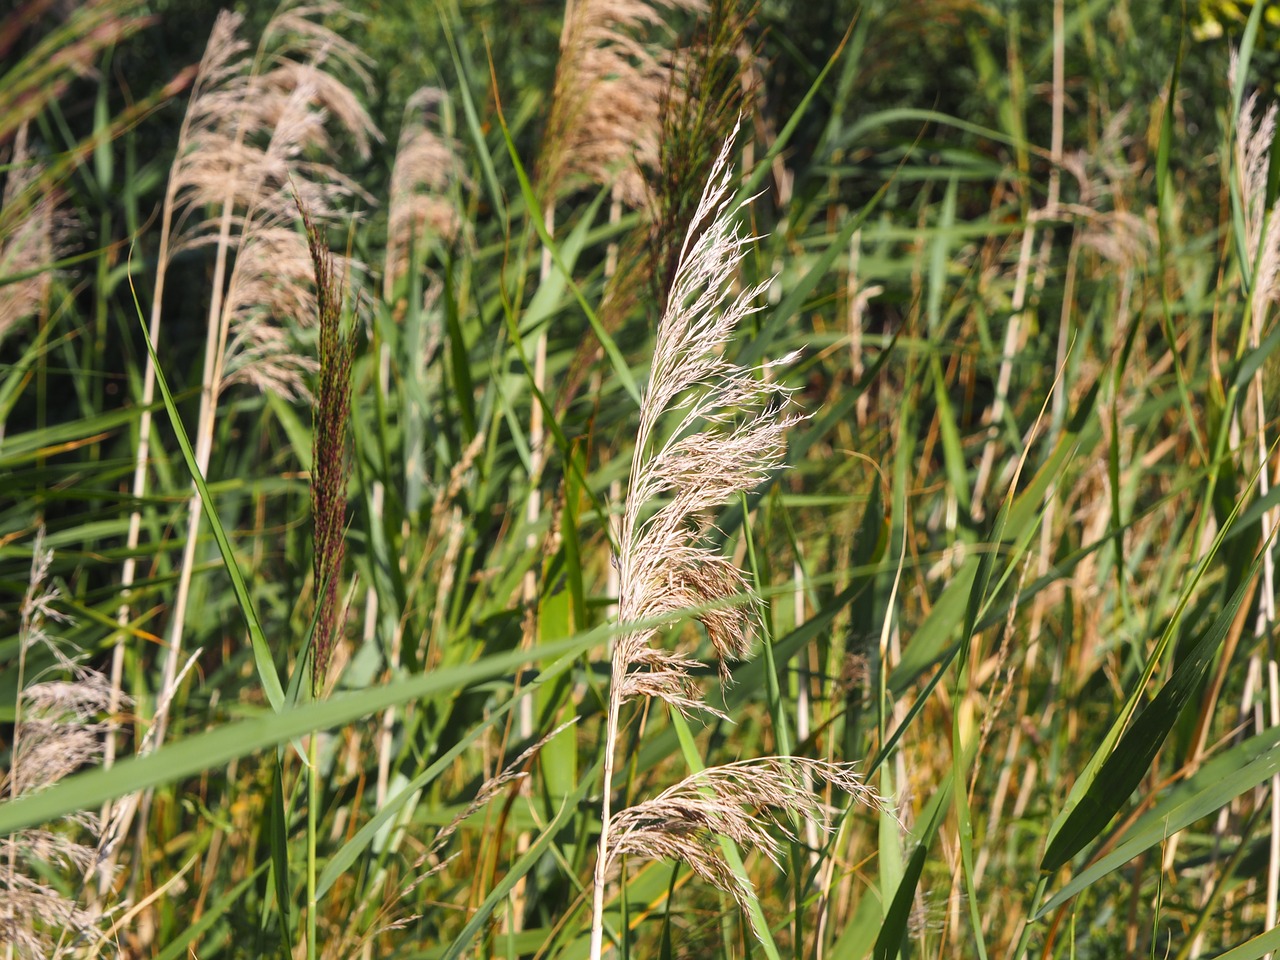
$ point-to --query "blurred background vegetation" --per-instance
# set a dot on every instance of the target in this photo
(1019, 568)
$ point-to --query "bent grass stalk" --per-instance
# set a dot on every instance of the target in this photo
(728, 436)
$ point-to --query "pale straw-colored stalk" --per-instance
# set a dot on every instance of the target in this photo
(255, 185)
(243, 152)
(603, 128)
(217, 67)
(425, 168)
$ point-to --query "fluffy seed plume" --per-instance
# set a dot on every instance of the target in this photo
(426, 164)
(723, 432)
(1261, 226)
(605, 118)
(729, 433)
(245, 152)
(56, 732)
(750, 802)
(37, 238)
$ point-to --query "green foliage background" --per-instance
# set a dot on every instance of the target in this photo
(1058, 668)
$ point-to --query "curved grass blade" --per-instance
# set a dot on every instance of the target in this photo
(1215, 785)
(206, 751)
(894, 929)
(263, 659)
(1260, 946)
(351, 850)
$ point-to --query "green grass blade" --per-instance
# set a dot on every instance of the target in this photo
(1260, 946)
(1215, 785)
(893, 930)
(262, 654)
(213, 749)
(1124, 769)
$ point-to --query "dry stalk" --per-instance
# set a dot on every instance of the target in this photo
(243, 149)
(604, 127)
(727, 426)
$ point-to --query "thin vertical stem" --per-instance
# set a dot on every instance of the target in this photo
(606, 812)
(313, 820)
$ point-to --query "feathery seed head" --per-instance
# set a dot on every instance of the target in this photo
(246, 151)
(331, 414)
(36, 237)
(1262, 226)
(750, 802)
(426, 165)
(56, 733)
(729, 433)
(605, 121)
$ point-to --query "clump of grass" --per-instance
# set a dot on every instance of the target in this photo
(729, 431)
(242, 153)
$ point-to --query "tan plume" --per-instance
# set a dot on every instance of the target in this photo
(710, 429)
(426, 166)
(605, 121)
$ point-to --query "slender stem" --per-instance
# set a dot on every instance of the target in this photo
(11, 844)
(602, 851)
(313, 819)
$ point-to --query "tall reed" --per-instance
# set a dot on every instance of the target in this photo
(725, 434)
(604, 127)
